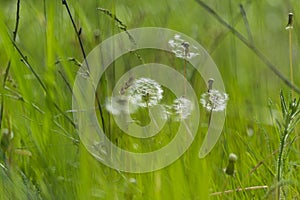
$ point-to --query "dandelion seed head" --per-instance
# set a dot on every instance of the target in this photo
(182, 48)
(119, 105)
(145, 92)
(182, 107)
(214, 100)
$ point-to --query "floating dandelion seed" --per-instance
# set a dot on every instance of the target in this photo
(182, 107)
(182, 49)
(145, 92)
(100, 147)
(84, 73)
(214, 100)
(126, 85)
(119, 105)
(132, 180)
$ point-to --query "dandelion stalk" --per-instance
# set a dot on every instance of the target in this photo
(210, 83)
(186, 54)
(289, 27)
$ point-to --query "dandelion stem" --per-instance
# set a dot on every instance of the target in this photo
(291, 59)
(184, 77)
(186, 46)
(210, 83)
(210, 116)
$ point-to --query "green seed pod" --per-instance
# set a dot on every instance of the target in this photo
(6, 137)
(230, 167)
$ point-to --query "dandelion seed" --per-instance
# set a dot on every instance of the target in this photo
(100, 147)
(182, 48)
(214, 100)
(119, 105)
(132, 180)
(183, 108)
(250, 132)
(126, 85)
(145, 92)
(136, 146)
(177, 37)
(84, 73)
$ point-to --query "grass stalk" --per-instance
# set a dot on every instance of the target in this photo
(289, 27)
(77, 31)
(291, 117)
(15, 32)
(259, 187)
(78, 34)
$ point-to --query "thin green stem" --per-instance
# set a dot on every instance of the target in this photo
(184, 77)
(28, 65)
(77, 31)
(291, 59)
(279, 164)
(9, 62)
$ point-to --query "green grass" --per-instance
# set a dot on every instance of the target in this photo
(46, 159)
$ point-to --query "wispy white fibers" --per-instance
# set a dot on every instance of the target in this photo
(180, 109)
(182, 49)
(119, 105)
(183, 108)
(214, 100)
(142, 92)
(145, 92)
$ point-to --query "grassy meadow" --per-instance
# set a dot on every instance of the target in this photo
(42, 155)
